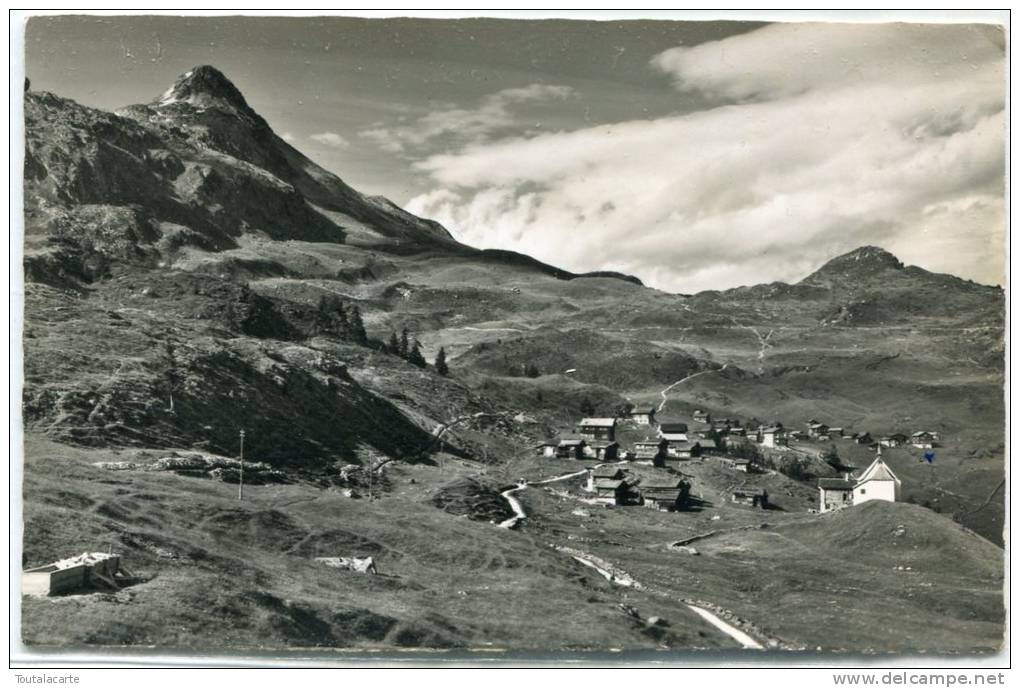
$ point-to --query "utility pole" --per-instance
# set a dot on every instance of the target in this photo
(240, 481)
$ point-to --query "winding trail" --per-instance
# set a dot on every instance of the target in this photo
(763, 341)
(519, 514)
(664, 393)
(987, 501)
(620, 577)
(442, 428)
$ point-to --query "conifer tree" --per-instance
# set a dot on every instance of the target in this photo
(587, 408)
(324, 315)
(358, 326)
(441, 366)
(404, 348)
(414, 355)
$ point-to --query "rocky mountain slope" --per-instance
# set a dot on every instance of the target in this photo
(190, 274)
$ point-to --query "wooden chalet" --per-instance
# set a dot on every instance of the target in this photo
(603, 473)
(598, 429)
(668, 495)
(611, 491)
(642, 416)
(897, 439)
(571, 448)
(649, 448)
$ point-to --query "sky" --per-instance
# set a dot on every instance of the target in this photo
(694, 155)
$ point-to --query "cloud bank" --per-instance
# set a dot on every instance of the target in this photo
(821, 138)
(463, 125)
(331, 139)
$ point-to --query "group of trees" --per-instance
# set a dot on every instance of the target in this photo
(792, 466)
(588, 408)
(410, 350)
(406, 348)
(524, 370)
(332, 317)
(514, 369)
(255, 314)
(831, 457)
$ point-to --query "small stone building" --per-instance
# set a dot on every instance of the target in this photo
(756, 497)
(835, 493)
(87, 570)
(774, 437)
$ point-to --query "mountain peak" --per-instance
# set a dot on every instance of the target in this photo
(204, 86)
(869, 255)
(861, 262)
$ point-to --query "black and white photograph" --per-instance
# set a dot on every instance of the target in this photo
(488, 338)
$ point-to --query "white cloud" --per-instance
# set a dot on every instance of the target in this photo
(331, 139)
(787, 59)
(825, 137)
(288, 137)
(463, 125)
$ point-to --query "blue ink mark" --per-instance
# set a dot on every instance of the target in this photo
(929, 456)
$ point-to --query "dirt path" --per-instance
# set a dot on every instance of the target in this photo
(664, 393)
(518, 510)
(442, 428)
(987, 501)
(519, 513)
(763, 342)
(487, 329)
(617, 576)
(744, 639)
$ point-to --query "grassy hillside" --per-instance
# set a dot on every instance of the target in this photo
(837, 582)
(227, 574)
